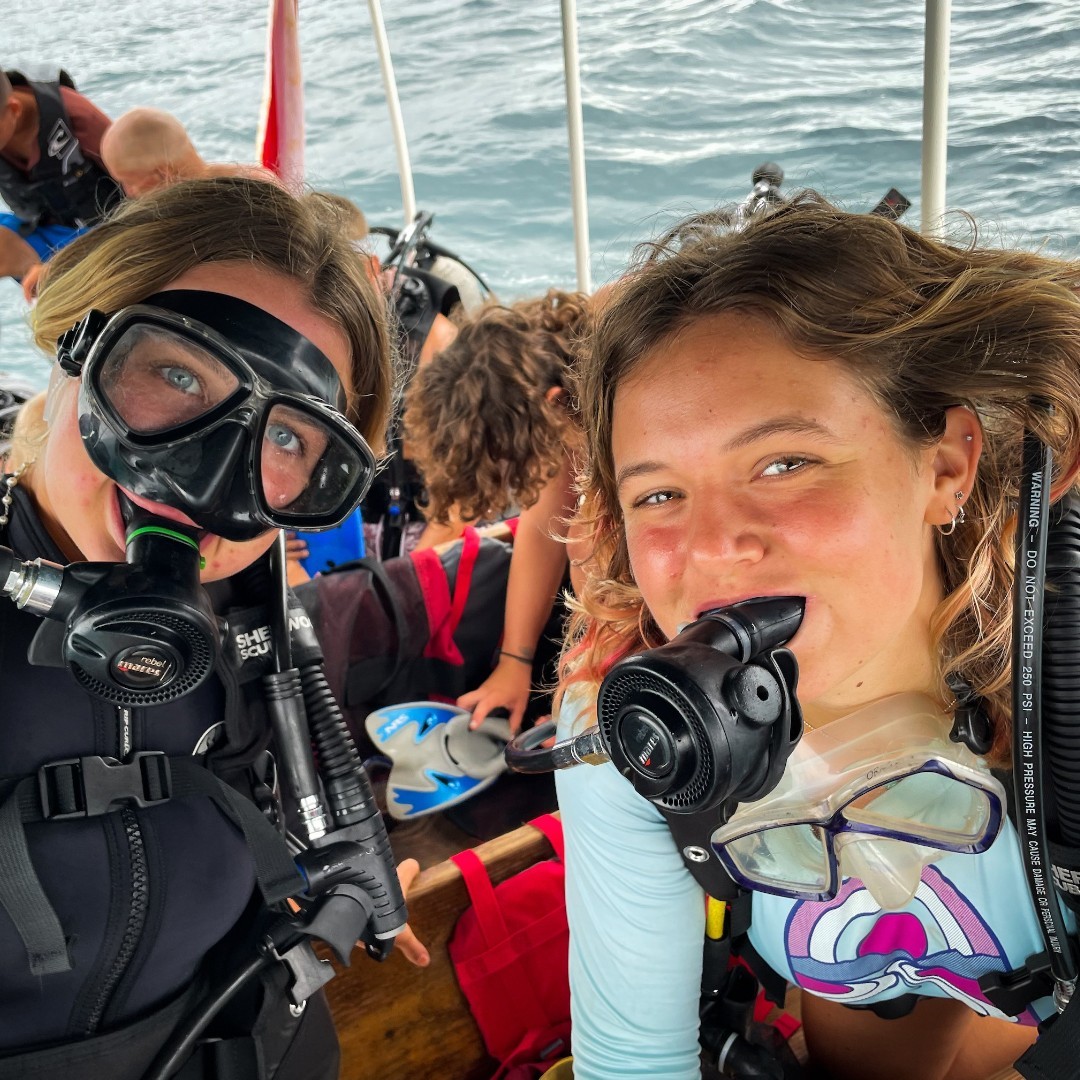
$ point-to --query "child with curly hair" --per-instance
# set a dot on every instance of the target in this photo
(491, 425)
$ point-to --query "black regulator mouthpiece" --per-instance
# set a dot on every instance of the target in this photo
(711, 717)
(136, 633)
(706, 720)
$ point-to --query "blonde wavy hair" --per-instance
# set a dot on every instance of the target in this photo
(150, 241)
(478, 419)
(924, 325)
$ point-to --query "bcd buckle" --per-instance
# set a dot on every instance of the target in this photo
(1013, 991)
(89, 786)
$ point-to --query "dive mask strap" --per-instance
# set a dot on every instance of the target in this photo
(971, 725)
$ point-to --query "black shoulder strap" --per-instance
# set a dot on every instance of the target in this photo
(21, 894)
(54, 124)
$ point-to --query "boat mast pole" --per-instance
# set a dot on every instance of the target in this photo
(397, 124)
(935, 133)
(578, 194)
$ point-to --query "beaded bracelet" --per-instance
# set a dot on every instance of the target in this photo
(528, 660)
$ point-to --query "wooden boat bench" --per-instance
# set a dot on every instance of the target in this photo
(399, 1022)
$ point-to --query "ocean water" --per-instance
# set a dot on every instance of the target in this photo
(682, 98)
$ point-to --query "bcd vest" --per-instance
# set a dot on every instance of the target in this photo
(64, 187)
(128, 865)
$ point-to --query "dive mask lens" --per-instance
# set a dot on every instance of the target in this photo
(936, 807)
(309, 468)
(155, 380)
(792, 860)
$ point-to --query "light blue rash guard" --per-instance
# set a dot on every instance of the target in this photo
(637, 924)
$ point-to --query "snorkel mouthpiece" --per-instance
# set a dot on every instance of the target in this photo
(709, 719)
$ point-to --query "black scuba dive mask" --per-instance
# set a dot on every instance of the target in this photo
(208, 404)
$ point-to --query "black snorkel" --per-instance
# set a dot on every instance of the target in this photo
(697, 725)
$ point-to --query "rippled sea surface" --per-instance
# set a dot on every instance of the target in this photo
(682, 99)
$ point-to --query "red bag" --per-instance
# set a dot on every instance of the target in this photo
(510, 952)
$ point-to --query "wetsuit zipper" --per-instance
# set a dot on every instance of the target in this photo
(136, 920)
(139, 885)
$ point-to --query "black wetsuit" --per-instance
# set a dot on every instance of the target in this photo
(149, 898)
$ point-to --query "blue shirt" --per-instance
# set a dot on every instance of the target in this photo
(637, 925)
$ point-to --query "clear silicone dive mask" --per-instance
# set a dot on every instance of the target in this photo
(877, 796)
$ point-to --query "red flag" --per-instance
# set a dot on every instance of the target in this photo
(280, 145)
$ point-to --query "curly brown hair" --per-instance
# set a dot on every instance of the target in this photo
(923, 324)
(480, 422)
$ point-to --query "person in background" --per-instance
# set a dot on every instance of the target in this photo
(52, 176)
(146, 149)
(491, 424)
(829, 406)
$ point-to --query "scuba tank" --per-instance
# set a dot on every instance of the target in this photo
(426, 280)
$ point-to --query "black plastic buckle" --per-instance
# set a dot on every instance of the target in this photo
(74, 345)
(1013, 991)
(89, 786)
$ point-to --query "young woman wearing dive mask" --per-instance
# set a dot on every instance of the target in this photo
(829, 406)
(224, 365)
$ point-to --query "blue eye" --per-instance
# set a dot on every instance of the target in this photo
(181, 379)
(283, 438)
(785, 465)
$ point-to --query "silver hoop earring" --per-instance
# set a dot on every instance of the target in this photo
(958, 519)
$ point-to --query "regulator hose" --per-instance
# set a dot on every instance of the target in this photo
(1061, 681)
(1032, 807)
(340, 766)
(352, 803)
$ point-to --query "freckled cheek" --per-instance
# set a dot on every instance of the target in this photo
(657, 559)
(839, 535)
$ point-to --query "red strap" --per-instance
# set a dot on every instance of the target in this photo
(470, 549)
(435, 591)
(482, 894)
(784, 1022)
(551, 827)
(444, 613)
(489, 915)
